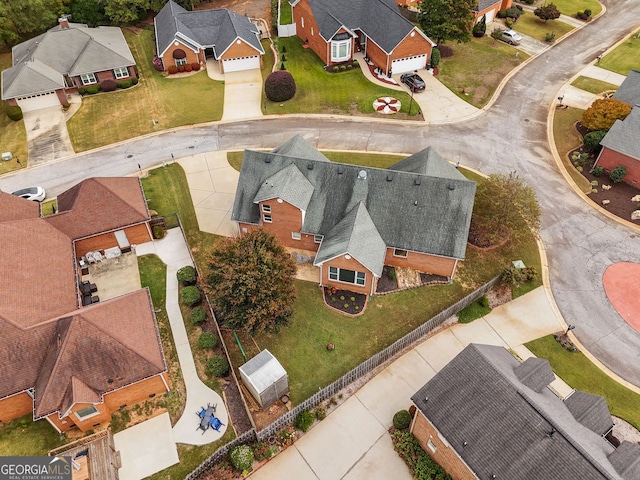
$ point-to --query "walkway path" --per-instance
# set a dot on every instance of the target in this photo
(173, 251)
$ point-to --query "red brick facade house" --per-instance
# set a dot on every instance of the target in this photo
(490, 8)
(335, 30)
(184, 37)
(70, 364)
(353, 220)
(485, 415)
(68, 56)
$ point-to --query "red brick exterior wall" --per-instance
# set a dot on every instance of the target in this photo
(348, 264)
(422, 262)
(15, 406)
(101, 76)
(376, 55)
(610, 159)
(506, 4)
(62, 97)
(192, 57)
(307, 30)
(412, 46)
(444, 455)
(136, 234)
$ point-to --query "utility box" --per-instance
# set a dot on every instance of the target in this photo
(265, 378)
(6, 156)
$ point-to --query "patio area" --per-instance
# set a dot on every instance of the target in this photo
(113, 277)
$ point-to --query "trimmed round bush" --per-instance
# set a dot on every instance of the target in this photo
(134, 81)
(172, 69)
(592, 139)
(435, 57)
(93, 89)
(187, 275)
(108, 85)
(217, 366)
(195, 66)
(402, 420)
(241, 457)
(304, 420)
(207, 340)
(190, 296)
(158, 232)
(82, 90)
(445, 51)
(280, 86)
(124, 84)
(14, 112)
(198, 315)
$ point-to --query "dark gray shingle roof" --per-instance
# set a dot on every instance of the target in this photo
(535, 373)
(510, 430)
(629, 90)
(411, 211)
(623, 135)
(590, 410)
(626, 460)
(288, 184)
(484, 4)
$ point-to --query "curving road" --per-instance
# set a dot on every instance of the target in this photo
(580, 242)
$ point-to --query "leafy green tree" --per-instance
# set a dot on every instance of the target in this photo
(122, 12)
(604, 112)
(547, 12)
(21, 19)
(507, 201)
(251, 282)
(90, 12)
(444, 20)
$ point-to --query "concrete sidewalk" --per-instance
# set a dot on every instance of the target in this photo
(353, 443)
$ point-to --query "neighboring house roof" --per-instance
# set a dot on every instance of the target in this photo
(623, 135)
(380, 20)
(411, 211)
(629, 90)
(99, 205)
(484, 4)
(288, 184)
(218, 29)
(14, 208)
(499, 426)
(39, 64)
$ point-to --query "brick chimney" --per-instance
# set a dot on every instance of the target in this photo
(63, 22)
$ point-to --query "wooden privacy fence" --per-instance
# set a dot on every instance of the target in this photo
(391, 352)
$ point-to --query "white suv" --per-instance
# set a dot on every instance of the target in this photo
(511, 37)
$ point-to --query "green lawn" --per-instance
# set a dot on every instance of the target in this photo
(169, 101)
(625, 57)
(317, 91)
(580, 373)
(566, 139)
(529, 24)
(473, 312)
(23, 437)
(286, 14)
(478, 67)
(571, 7)
(13, 136)
(593, 85)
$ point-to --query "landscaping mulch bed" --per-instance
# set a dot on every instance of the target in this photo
(345, 301)
(387, 281)
(483, 238)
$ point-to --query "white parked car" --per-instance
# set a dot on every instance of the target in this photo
(36, 194)
(511, 37)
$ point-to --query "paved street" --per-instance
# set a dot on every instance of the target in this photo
(512, 135)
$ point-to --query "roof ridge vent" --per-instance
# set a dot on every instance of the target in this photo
(267, 160)
(451, 186)
(340, 170)
(389, 177)
(310, 166)
(362, 174)
(417, 181)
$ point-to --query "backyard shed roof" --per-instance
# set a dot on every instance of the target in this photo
(263, 370)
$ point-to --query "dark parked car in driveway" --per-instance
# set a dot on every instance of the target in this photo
(413, 81)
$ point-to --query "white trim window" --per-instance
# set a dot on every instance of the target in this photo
(90, 411)
(432, 446)
(120, 72)
(266, 218)
(266, 213)
(266, 208)
(398, 252)
(347, 276)
(340, 50)
(181, 61)
(88, 78)
(317, 238)
(296, 235)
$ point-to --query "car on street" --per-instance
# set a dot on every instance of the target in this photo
(36, 194)
(413, 81)
(511, 37)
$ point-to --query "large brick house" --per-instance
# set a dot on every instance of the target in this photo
(68, 56)
(485, 415)
(184, 37)
(335, 30)
(353, 220)
(70, 364)
(620, 146)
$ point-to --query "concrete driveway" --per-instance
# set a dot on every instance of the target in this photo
(242, 95)
(47, 135)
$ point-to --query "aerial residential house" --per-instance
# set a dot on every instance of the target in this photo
(70, 55)
(184, 37)
(485, 415)
(71, 364)
(352, 220)
(336, 29)
(490, 8)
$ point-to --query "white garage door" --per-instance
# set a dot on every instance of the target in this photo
(408, 64)
(35, 102)
(490, 16)
(238, 64)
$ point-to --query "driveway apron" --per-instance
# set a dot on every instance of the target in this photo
(242, 95)
(47, 135)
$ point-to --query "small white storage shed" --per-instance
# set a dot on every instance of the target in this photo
(265, 378)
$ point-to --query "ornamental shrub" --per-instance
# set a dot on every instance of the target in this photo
(304, 420)
(198, 315)
(445, 51)
(14, 112)
(618, 173)
(282, 67)
(592, 140)
(195, 66)
(207, 340)
(188, 67)
(502, 14)
(280, 86)
(158, 232)
(480, 28)
(124, 84)
(108, 85)
(172, 69)
(402, 420)
(597, 171)
(497, 34)
(190, 296)
(93, 89)
(549, 37)
(134, 81)
(82, 90)
(604, 112)
(336, 69)
(187, 275)
(513, 13)
(218, 366)
(435, 58)
(241, 457)
(355, 63)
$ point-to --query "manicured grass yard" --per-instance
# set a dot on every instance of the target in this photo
(286, 15)
(571, 7)
(31, 439)
(109, 118)
(478, 67)
(625, 57)
(580, 373)
(529, 24)
(593, 85)
(317, 91)
(13, 136)
(566, 139)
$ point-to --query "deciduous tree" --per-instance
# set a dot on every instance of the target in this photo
(444, 20)
(251, 282)
(603, 113)
(547, 12)
(21, 19)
